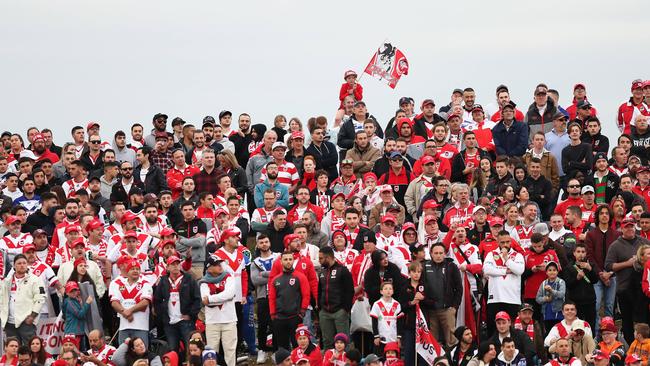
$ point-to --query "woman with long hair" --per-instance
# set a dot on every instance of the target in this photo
(520, 174)
(295, 125)
(506, 193)
(522, 197)
(357, 203)
(80, 274)
(279, 126)
(39, 356)
(512, 218)
(639, 285)
(134, 349)
(232, 168)
(485, 355)
(477, 185)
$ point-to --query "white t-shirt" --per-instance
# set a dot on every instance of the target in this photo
(386, 314)
(128, 296)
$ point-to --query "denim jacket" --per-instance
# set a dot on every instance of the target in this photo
(557, 294)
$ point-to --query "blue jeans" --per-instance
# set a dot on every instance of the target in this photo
(132, 333)
(179, 332)
(609, 294)
(308, 321)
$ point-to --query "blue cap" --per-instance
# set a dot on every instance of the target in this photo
(395, 154)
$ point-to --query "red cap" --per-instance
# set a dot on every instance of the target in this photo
(128, 216)
(91, 125)
(646, 84)
(502, 315)
(297, 135)
(130, 234)
(477, 107)
(387, 218)
(220, 211)
(28, 247)
(452, 116)
(11, 219)
(338, 233)
(78, 261)
(70, 338)
(173, 259)
(160, 135)
(600, 355)
(71, 286)
(608, 327)
(94, 224)
(628, 221)
(495, 220)
(289, 238)
(427, 159)
(349, 73)
(122, 260)
(391, 346)
(385, 188)
(167, 231)
(632, 358)
(38, 136)
(132, 263)
(72, 228)
(637, 84)
(427, 102)
(302, 331)
(430, 204)
(369, 175)
(77, 242)
(337, 195)
(579, 85)
(429, 218)
(230, 233)
(60, 362)
(168, 242)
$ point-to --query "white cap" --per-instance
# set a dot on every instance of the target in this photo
(477, 208)
(28, 154)
(586, 189)
(278, 144)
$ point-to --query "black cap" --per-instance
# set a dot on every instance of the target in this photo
(160, 115)
(213, 260)
(559, 115)
(457, 91)
(501, 88)
(281, 355)
(583, 104)
(209, 119)
(510, 104)
(359, 102)
(6, 133)
(224, 113)
(178, 121)
(600, 155)
(94, 177)
(369, 238)
(404, 100)
(207, 124)
(135, 190)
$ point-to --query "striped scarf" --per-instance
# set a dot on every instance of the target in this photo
(530, 328)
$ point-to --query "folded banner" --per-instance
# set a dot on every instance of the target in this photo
(425, 344)
(388, 64)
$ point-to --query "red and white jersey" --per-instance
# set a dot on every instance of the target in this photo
(64, 253)
(46, 273)
(197, 154)
(588, 214)
(627, 113)
(287, 174)
(263, 215)
(70, 187)
(220, 201)
(58, 237)
(618, 171)
(400, 255)
(104, 354)
(112, 229)
(562, 330)
(174, 303)
(386, 242)
(128, 295)
(13, 245)
(346, 257)
(154, 228)
(78, 150)
(146, 242)
(235, 265)
(474, 264)
(459, 216)
(336, 222)
(447, 151)
(525, 233)
(387, 313)
(214, 235)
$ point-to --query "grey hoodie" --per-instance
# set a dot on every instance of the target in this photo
(124, 154)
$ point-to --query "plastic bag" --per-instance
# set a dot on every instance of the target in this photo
(360, 316)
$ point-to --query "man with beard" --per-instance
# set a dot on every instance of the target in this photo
(208, 131)
(193, 157)
(345, 139)
(382, 164)
(159, 125)
(152, 224)
(271, 182)
(424, 122)
(503, 98)
(149, 177)
(465, 350)
(159, 156)
(42, 152)
(41, 217)
(178, 172)
(119, 192)
(78, 179)
(241, 139)
(95, 195)
(99, 353)
(324, 152)
(510, 136)
(122, 150)
(71, 218)
(362, 154)
(314, 235)
(464, 164)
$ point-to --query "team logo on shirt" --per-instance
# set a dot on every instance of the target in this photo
(304, 266)
(195, 229)
(292, 281)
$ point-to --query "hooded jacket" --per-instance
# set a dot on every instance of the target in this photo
(123, 154)
(415, 147)
(517, 360)
(372, 279)
(335, 288)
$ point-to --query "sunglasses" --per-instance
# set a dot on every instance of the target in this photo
(574, 186)
(95, 142)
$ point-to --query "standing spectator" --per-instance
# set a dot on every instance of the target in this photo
(130, 298)
(149, 176)
(160, 155)
(21, 299)
(271, 182)
(218, 297)
(503, 267)
(541, 112)
(324, 152)
(556, 140)
(345, 139)
(468, 160)
(620, 259)
(510, 136)
(577, 157)
(579, 95)
(288, 301)
(335, 292)
(503, 99)
(386, 314)
(550, 295)
(236, 173)
(549, 167)
(178, 172)
(206, 179)
(443, 289)
(177, 301)
(593, 136)
(277, 229)
(241, 138)
(122, 151)
(159, 122)
(628, 111)
(192, 233)
(93, 157)
(74, 310)
(362, 154)
(260, 271)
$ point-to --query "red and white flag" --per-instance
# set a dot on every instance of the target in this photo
(425, 344)
(388, 64)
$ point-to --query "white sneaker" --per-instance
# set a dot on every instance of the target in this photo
(261, 357)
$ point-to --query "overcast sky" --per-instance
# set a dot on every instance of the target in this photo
(70, 62)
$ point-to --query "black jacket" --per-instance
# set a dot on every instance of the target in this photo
(611, 188)
(189, 294)
(241, 148)
(335, 288)
(451, 284)
(372, 281)
(38, 220)
(580, 291)
(326, 158)
(537, 188)
(458, 165)
(88, 163)
(119, 194)
(408, 309)
(277, 237)
(238, 180)
(598, 142)
(288, 297)
(495, 183)
(346, 135)
(420, 126)
(154, 181)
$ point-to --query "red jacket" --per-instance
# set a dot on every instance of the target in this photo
(345, 87)
(536, 278)
(302, 265)
(175, 178)
(292, 215)
(312, 353)
(626, 111)
(47, 154)
(645, 285)
(562, 206)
